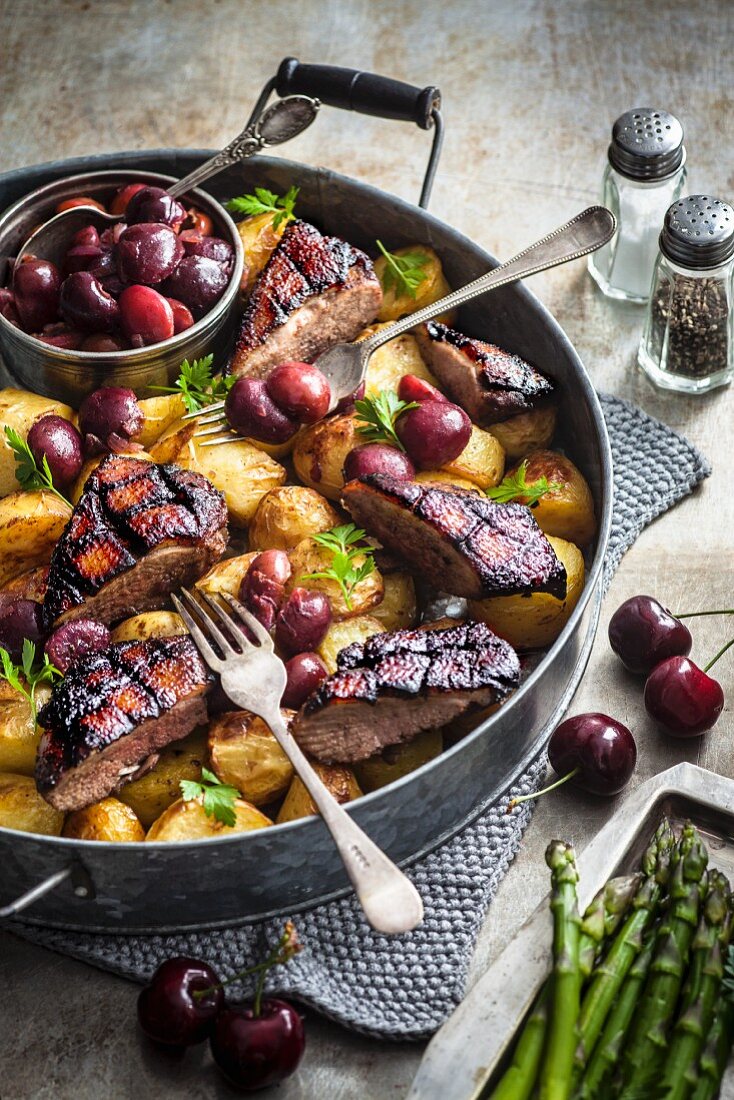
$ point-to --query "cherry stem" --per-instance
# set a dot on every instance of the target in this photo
(721, 653)
(558, 783)
(284, 950)
(697, 614)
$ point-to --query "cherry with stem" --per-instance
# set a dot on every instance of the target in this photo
(682, 698)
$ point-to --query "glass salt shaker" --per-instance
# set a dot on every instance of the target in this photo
(645, 174)
(688, 340)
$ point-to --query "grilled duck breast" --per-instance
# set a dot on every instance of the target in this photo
(113, 711)
(314, 292)
(393, 686)
(461, 543)
(138, 532)
(489, 383)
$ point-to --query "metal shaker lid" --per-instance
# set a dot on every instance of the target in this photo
(698, 232)
(647, 144)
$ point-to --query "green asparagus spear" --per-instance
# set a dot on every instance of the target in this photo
(701, 993)
(608, 977)
(656, 1008)
(603, 917)
(557, 1068)
(715, 1054)
(519, 1079)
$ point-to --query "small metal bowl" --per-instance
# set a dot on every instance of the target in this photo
(71, 375)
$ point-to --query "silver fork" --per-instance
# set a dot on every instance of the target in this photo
(345, 365)
(254, 678)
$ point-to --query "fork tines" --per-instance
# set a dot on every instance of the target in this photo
(204, 629)
(203, 414)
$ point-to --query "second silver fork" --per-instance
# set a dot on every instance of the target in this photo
(254, 678)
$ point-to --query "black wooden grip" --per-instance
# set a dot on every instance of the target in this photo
(352, 90)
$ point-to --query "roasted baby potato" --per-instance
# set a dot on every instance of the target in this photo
(287, 515)
(308, 558)
(259, 240)
(109, 819)
(22, 808)
(90, 466)
(530, 622)
(389, 363)
(241, 471)
(568, 511)
(20, 409)
(150, 624)
(190, 821)
(398, 760)
(443, 477)
(482, 461)
(29, 586)
(337, 779)
(158, 414)
(227, 575)
(19, 734)
(320, 451)
(432, 286)
(397, 609)
(245, 754)
(31, 524)
(525, 432)
(341, 634)
(159, 788)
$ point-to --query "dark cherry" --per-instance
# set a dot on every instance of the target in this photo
(153, 204)
(413, 388)
(183, 318)
(36, 287)
(101, 342)
(57, 440)
(642, 633)
(302, 621)
(256, 1051)
(262, 590)
(198, 222)
(214, 248)
(85, 303)
(148, 253)
(198, 282)
(305, 672)
(682, 698)
(123, 196)
(8, 308)
(84, 257)
(70, 641)
(250, 410)
(378, 458)
(300, 390)
(168, 1011)
(109, 417)
(434, 433)
(19, 619)
(146, 317)
(61, 336)
(603, 750)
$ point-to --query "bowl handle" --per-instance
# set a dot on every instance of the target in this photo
(81, 883)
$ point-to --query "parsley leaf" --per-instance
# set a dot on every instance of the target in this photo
(351, 562)
(376, 416)
(404, 273)
(515, 487)
(27, 471)
(197, 386)
(266, 202)
(217, 798)
(24, 678)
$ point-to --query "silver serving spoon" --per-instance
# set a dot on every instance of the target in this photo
(280, 122)
(345, 365)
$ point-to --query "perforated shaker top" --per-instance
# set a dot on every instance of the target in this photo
(647, 144)
(698, 232)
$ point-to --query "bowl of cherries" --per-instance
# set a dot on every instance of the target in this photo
(120, 302)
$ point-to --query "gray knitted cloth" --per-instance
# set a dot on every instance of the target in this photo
(405, 987)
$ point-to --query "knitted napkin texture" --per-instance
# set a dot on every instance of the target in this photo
(404, 987)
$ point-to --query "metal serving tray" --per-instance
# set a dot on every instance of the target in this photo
(468, 1054)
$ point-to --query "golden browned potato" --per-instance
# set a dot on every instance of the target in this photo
(245, 754)
(109, 819)
(19, 734)
(568, 511)
(433, 286)
(259, 240)
(241, 471)
(443, 477)
(389, 363)
(23, 809)
(31, 524)
(341, 634)
(227, 575)
(525, 432)
(308, 558)
(398, 760)
(337, 779)
(320, 451)
(482, 460)
(20, 409)
(530, 622)
(90, 466)
(155, 791)
(30, 585)
(158, 414)
(190, 821)
(287, 515)
(150, 624)
(397, 609)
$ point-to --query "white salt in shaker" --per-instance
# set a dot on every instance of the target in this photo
(645, 174)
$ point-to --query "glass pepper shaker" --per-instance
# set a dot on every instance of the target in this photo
(644, 175)
(688, 340)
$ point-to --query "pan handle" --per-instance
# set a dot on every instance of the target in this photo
(81, 883)
(367, 93)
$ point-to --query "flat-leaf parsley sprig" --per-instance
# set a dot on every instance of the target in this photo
(376, 416)
(24, 677)
(27, 471)
(405, 272)
(196, 385)
(351, 561)
(266, 202)
(515, 487)
(217, 798)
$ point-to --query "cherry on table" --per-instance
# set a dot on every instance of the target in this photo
(256, 1051)
(168, 1010)
(597, 752)
(683, 698)
(642, 633)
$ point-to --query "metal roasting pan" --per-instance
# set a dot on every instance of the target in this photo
(469, 1053)
(98, 886)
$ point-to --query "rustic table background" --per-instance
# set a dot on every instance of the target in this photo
(531, 88)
